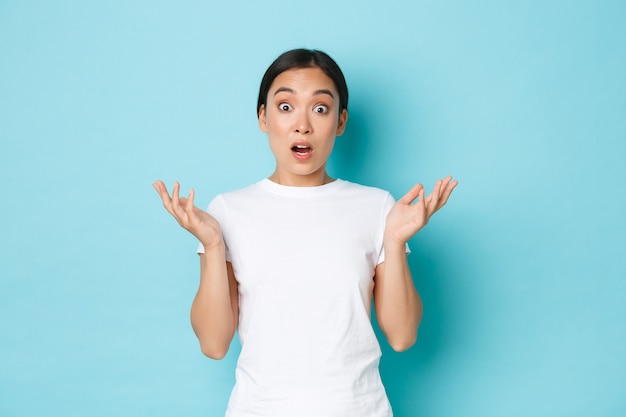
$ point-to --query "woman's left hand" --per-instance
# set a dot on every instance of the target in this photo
(406, 219)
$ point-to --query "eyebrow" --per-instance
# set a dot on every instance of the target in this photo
(316, 92)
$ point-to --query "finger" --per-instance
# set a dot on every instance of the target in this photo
(176, 191)
(447, 191)
(446, 184)
(161, 189)
(450, 186)
(434, 193)
(156, 185)
(421, 202)
(189, 202)
(440, 185)
(413, 193)
(433, 198)
(176, 201)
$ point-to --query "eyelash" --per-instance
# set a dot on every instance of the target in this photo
(285, 107)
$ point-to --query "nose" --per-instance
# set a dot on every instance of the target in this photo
(303, 124)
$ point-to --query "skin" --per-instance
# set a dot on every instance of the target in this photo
(303, 109)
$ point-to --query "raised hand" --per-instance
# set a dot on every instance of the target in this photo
(406, 219)
(199, 223)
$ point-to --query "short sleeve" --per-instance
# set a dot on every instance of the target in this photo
(217, 209)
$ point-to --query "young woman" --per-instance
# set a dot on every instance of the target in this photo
(293, 261)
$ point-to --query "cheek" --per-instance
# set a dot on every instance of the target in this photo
(276, 123)
(330, 127)
(328, 146)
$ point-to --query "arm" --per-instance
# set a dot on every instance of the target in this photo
(215, 309)
(397, 303)
(214, 312)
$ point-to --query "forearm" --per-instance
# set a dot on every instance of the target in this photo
(213, 315)
(398, 305)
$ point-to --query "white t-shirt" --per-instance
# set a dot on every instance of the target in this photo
(304, 259)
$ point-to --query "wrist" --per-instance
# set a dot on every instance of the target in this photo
(392, 243)
(213, 245)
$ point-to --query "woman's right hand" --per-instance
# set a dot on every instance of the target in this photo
(199, 223)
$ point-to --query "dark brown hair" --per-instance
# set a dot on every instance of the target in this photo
(304, 58)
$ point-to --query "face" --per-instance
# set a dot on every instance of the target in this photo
(302, 119)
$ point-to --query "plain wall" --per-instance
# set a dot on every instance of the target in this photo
(522, 274)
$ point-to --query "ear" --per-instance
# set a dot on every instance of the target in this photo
(343, 119)
(262, 119)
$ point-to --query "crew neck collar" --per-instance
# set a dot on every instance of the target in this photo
(293, 191)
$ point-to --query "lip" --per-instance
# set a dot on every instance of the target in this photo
(302, 156)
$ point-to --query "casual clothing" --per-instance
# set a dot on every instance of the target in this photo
(304, 259)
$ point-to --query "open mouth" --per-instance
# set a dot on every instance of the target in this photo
(301, 149)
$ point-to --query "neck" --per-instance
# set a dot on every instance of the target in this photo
(301, 181)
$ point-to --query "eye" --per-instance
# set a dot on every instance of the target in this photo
(320, 109)
(284, 106)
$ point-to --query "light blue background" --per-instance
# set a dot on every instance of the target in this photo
(522, 275)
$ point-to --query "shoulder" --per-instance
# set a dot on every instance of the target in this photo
(364, 198)
(221, 203)
(246, 192)
(365, 191)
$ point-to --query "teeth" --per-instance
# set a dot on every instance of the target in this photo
(301, 149)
